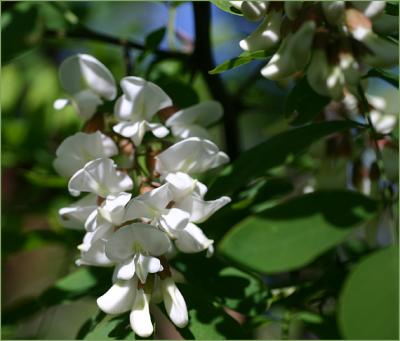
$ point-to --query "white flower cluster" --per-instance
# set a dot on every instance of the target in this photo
(136, 234)
(335, 41)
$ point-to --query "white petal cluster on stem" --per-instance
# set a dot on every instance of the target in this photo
(136, 230)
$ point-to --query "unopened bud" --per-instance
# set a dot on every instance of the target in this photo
(151, 160)
(334, 11)
(370, 9)
(266, 35)
(127, 147)
(292, 8)
(254, 10)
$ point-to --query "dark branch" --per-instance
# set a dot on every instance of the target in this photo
(83, 33)
(203, 60)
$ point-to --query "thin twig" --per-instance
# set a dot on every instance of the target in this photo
(84, 33)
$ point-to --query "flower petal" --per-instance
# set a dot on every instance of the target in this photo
(100, 177)
(113, 209)
(192, 239)
(83, 68)
(86, 103)
(61, 103)
(174, 303)
(192, 155)
(201, 210)
(119, 298)
(76, 150)
(175, 219)
(75, 215)
(147, 98)
(140, 315)
(202, 114)
(146, 265)
(136, 238)
(126, 270)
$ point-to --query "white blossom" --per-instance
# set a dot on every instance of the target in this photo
(191, 122)
(87, 80)
(77, 150)
(137, 106)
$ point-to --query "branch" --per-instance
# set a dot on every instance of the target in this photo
(203, 60)
(84, 33)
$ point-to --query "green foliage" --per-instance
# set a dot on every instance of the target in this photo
(304, 103)
(243, 58)
(385, 75)
(272, 153)
(369, 301)
(293, 234)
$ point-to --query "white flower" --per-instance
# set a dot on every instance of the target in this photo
(190, 122)
(88, 81)
(75, 215)
(192, 240)
(100, 177)
(93, 247)
(188, 194)
(137, 106)
(151, 206)
(76, 150)
(133, 247)
(192, 155)
(119, 298)
(174, 302)
(140, 315)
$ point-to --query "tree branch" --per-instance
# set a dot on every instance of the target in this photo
(203, 60)
(84, 33)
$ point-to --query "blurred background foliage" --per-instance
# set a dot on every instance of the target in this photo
(288, 265)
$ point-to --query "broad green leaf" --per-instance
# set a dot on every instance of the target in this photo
(244, 58)
(369, 301)
(293, 234)
(304, 103)
(226, 6)
(272, 153)
(385, 75)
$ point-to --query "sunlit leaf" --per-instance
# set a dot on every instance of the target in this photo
(226, 7)
(244, 58)
(293, 234)
(369, 302)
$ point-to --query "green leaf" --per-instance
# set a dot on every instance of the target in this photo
(181, 93)
(272, 153)
(244, 58)
(369, 301)
(114, 328)
(293, 234)
(78, 281)
(226, 6)
(154, 39)
(385, 75)
(304, 102)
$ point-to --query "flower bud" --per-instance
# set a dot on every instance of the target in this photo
(386, 24)
(292, 8)
(370, 9)
(350, 68)
(266, 35)
(334, 11)
(254, 10)
(298, 45)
